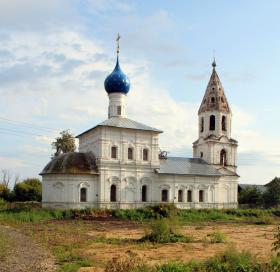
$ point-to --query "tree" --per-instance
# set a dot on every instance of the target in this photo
(64, 143)
(250, 195)
(5, 179)
(4, 192)
(28, 190)
(271, 196)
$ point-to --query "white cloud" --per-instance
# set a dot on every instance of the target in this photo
(11, 163)
(32, 149)
(56, 80)
(36, 15)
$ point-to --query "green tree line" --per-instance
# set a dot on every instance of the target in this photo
(29, 189)
(268, 198)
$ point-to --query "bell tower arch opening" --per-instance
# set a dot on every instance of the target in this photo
(223, 157)
(212, 122)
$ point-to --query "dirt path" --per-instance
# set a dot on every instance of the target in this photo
(22, 254)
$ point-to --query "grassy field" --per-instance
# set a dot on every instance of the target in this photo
(93, 238)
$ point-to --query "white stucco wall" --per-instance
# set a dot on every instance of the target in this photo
(63, 190)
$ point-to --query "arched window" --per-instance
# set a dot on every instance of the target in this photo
(224, 124)
(83, 195)
(201, 155)
(144, 193)
(201, 196)
(223, 157)
(114, 152)
(113, 193)
(202, 124)
(164, 195)
(212, 122)
(180, 196)
(130, 153)
(212, 99)
(145, 154)
(189, 196)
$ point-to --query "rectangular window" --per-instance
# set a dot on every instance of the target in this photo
(83, 195)
(189, 196)
(144, 193)
(145, 154)
(164, 195)
(114, 152)
(130, 153)
(180, 196)
(119, 110)
(201, 196)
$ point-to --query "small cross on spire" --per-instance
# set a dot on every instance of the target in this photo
(118, 43)
(214, 60)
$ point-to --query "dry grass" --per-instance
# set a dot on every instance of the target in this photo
(94, 243)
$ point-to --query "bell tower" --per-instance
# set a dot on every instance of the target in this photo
(214, 144)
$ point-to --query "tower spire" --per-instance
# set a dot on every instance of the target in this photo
(214, 97)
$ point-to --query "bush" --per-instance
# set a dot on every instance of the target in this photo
(180, 267)
(130, 264)
(276, 243)
(264, 220)
(216, 237)
(28, 190)
(231, 261)
(150, 212)
(3, 204)
(165, 230)
(274, 265)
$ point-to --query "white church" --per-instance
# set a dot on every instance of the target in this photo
(119, 163)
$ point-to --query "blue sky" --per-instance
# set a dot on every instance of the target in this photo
(55, 55)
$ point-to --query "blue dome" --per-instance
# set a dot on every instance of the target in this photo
(117, 81)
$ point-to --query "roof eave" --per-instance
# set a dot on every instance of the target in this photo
(69, 173)
(191, 175)
(151, 130)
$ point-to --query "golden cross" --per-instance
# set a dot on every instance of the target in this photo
(118, 43)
